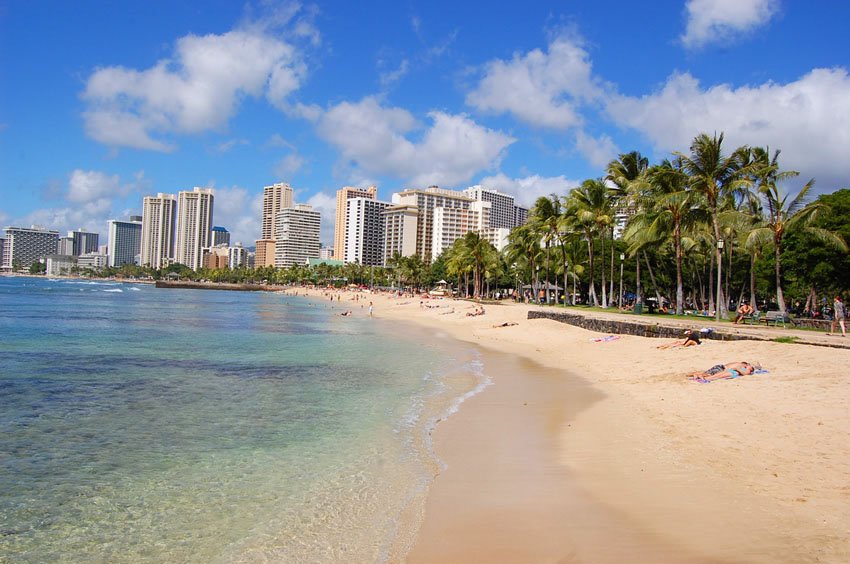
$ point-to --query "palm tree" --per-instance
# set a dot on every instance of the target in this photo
(669, 209)
(624, 172)
(545, 216)
(592, 211)
(716, 178)
(783, 216)
(523, 247)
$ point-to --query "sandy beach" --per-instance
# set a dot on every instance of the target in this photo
(603, 451)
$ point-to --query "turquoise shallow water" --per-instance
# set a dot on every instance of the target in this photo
(139, 424)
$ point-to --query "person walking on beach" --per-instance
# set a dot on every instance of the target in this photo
(370, 309)
(839, 314)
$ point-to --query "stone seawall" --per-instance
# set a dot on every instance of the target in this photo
(218, 286)
(630, 328)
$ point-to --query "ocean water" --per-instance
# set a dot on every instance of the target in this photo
(150, 425)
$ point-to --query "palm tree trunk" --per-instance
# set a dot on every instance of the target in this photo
(637, 281)
(611, 277)
(779, 297)
(652, 278)
(680, 289)
(604, 289)
(592, 290)
(711, 286)
(753, 302)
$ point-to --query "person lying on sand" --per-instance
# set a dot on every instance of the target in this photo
(477, 311)
(505, 324)
(721, 371)
(691, 339)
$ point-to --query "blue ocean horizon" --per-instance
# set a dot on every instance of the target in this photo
(145, 424)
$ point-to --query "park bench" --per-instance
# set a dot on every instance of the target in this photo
(776, 317)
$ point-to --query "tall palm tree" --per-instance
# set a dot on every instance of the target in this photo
(670, 208)
(592, 211)
(545, 216)
(716, 177)
(784, 215)
(523, 248)
(624, 173)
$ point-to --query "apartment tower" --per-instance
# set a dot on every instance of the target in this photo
(158, 217)
(275, 198)
(342, 196)
(194, 226)
(125, 241)
(364, 231)
(23, 246)
(298, 231)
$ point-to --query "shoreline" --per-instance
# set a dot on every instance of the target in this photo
(752, 469)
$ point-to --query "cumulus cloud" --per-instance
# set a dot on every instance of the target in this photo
(808, 119)
(325, 204)
(198, 89)
(234, 210)
(544, 89)
(86, 186)
(712, 21)
(526, 190)
(375, 138)
(598, 151)
(288, 165)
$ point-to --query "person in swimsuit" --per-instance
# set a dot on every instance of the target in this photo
(691, 339)
(722, 371)
(839, 314)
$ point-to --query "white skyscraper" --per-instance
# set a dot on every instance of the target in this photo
(125, 240)
(503, 212)
(426, 201)
(194, 226)
(298, 231)
(24, 246)
(158, 217)
(364, 231)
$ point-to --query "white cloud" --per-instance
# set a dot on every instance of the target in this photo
(712, 21)
(230, 144)
(390, 77)
(86, 186)
(527, 190)
(599, 151)
(196, 90)
(543, 89)
(325, 204)
(808, 119)
(376, 139)
(288, 165)
(234, 210)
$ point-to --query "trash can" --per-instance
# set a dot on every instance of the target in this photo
(638, 308)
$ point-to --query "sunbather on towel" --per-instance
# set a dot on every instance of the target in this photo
(721, 371)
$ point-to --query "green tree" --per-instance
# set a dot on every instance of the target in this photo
(716, 177)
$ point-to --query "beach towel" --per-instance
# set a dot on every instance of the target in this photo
(605, 339)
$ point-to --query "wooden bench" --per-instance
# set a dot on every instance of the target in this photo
(776, 316)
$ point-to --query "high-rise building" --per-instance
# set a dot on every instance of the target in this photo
(194, 225)
(237, 256)
(2, 249)
(326, 253)
(364, 231)
(158, 217)
(66, 246)
(84, 242)
(125, 241)
(298, 232)
(342, 196)
(220, 236)
(400, 222)
(427, 200)
(502, 206)
(275, 198)
(520, 216)
(450, 224)
(24, 246)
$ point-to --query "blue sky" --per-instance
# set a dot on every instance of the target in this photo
(103, 102)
